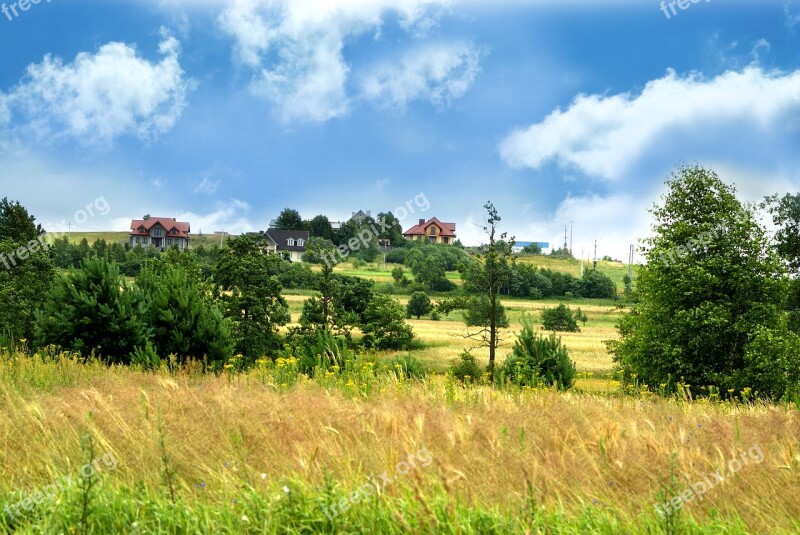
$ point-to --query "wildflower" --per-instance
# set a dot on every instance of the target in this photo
(244, 518)
(286, 489)
(263, 476)
(23, 340)
(228, 366)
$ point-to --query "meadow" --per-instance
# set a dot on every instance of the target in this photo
(270, 451)
(368, 449)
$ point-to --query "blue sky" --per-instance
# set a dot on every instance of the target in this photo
(224, 112)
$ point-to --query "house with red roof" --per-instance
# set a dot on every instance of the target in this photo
(160, 232)
(433, 231)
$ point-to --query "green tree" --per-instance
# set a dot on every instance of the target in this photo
(316, 248)
(710, 284)
(419, 305)
(484, 279)
(533, 249)
(183, 319)
(320, 227)
(289, 219)
(785, 212)
(560, 319)
(384, 324)
(26, 271)
(596, 285)
(537, 359)
(250, 297)
(92, 309)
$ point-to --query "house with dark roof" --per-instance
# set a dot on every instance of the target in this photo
(290, 243)
(160, 233)
(433, 231)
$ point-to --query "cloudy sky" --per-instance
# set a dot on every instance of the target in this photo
(224, 112)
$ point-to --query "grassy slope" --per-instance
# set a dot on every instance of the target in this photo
(503, 461)
(112, 237)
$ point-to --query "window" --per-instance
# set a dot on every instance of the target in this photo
(432, 231)
(290, 242)
(144, 241)
(138, 239)
(446, 240)
(301, 243)
(432, 239)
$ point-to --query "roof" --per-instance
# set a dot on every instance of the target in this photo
(447, 229)
(280, 237)
(169, 224)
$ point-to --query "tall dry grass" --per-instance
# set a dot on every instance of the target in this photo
(492, 449)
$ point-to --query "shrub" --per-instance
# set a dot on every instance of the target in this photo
(419, 305)
(466, 366)
(94, 310)
(539, 360)
(597, 285)
(560, 318)
(384, 324)
(771, 364)
(399, 276)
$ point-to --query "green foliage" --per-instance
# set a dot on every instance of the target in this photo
(250, 297)
(399, 276)
(408, 366)
(533, 249)
(772, 364)
(318, 249)
(384, 324)
(785, 213)
(24, 278)
(289, 219)
(94, 310)
(320, 227)
(184, 321)
(419, 305)
(539, 360)
(711, 283)
(466, 366)
(560, 318)
(597, 285)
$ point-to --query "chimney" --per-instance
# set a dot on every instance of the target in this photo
(421, 222)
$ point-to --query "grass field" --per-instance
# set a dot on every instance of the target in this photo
(122, 237)
(267, 453)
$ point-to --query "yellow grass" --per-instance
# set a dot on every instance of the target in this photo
(572, 448)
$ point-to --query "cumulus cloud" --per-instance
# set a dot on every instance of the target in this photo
(295, 49)
(230, 216)
(99, 97)
(604, 135)
(437, 73)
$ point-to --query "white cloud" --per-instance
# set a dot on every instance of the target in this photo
(99, 97)
(437, 73)
(604, 135)
(229, 216)
(295, 48)
(207, 186)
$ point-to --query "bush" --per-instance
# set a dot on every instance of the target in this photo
(560, 318)
(466, 366)
(771, 364)
(539, 360)
(419, 305)
(94, 310)
(384, 325)
(596, 285)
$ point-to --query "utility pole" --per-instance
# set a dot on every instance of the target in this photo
(565, 236)
(570, 236)
(630, 263)
(595, 255)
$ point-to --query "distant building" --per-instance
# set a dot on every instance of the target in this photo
(433, 231)
(291, 243)
(360, 216)
(160, 233)
(520, 245)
